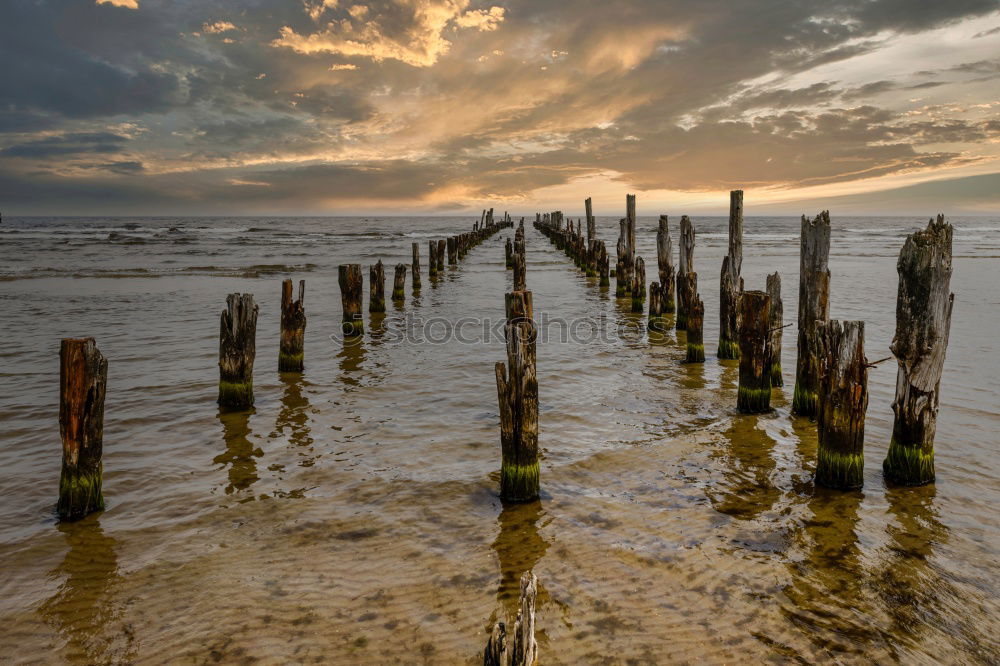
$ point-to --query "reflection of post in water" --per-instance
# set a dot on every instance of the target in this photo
(293, 417)
(239, 453)
(747, 463)
(377, 327)
(825, 596)
(910, 587)
(352, 357)
(519, 547)
(81, 609)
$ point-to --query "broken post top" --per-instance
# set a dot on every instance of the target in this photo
(286, 294)
(736, 230)
(686, 262)
(924, 303)
(815, 243)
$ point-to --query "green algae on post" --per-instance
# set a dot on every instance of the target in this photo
(291, 347)
(814, 306)
(237, 351)
(83, 377)
(399, 283)
(843, 401)
(754, 395)
(655, 317)
(351, 286)
(696, 319)
(923, 324)
(638, 285)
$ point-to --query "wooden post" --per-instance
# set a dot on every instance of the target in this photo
(623, 276)
(291, 350)
(399, 283)
(755, 381)
(432, 266)
(376, 287)
(843, 399)
(776, 329)
(655, 317)
(630, 217)
(518, 648)
(452, 251)
(508, 252)
(603, 269)
(517, 390)
(415, 268)
(639, 285)
(923, 325)
(237, 350)
(591, 221)
(731, 284)
(440, 254)
(685, 266)
(814, 305)
(695, 324)
(665, 265)
(520, 278)
(83, 379)
(351, 286)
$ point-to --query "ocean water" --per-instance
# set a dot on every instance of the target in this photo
(352, 515)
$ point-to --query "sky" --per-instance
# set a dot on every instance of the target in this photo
(439, 107)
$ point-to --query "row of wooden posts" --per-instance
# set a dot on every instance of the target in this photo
(83, 369)
(831, 375)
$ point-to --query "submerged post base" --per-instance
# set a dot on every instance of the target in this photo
(908, 465)
(519, 483)
(80, 493)
(776, 379)
(804, 402)
(352, 328)
(291, 362)
(728, 349)
(235, 395)
(695, 353)
(754, 400)
(840, 471)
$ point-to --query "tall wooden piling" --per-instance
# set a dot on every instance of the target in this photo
(442, 244)
(603, 267)
(591, 221)
(638, 285)
(237, 351)
(432, 264)
(843, 400)
(415, 268)
(520, 277)
(654, 320)
(517, 391)
(814, 306)
(452, 244)
(517, 648)
(291, 349)
(685, 266)
(508, 253)
(351, 287)
(755, 380)
(376, 287)
(776, 329)
(923, 325)
(695, 318)
(399, 283)
(623, 274)
(83, 379)
(731, 284)
(665, 266)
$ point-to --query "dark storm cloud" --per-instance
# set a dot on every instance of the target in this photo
(258, 102)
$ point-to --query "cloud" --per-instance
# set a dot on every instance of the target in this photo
(128, 4)
(67, 144)
(217, 27)
(410, 31)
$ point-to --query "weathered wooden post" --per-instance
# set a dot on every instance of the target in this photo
(291, 350)
(399, 283)
(843, 399)
(731, 284)
(432, 264)
(776, 329)
(508, 252)
(237, 350)
(520, 277)
(623, 277)
(665, 265)
(638, 285)
(655, 317)
(452, 251)
(415, 268)
(591, 221)
(685, 266)
(755, 381)
(923, 325)
(83, 379)
(603, 269)
(814, 305)
(519, 647)
(351, 286)
(695, 324)
(440, 254)
(376, 287)
(517, 390)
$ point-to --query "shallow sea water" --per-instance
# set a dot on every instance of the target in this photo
(352, 515)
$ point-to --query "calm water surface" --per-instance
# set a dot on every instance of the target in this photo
(352, 516)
